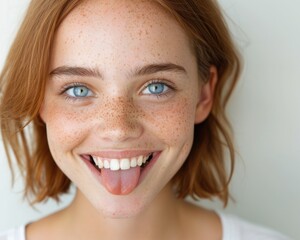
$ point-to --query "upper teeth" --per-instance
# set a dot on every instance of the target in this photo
(120, 164)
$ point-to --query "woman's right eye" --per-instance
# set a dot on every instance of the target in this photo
(78, 92)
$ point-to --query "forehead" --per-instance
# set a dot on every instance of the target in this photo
(112, 29)
(124, 10)
(128, 14)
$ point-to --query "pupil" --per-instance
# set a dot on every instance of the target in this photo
(156, 88)
(80, 91)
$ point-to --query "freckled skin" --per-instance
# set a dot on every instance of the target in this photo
(117, 37)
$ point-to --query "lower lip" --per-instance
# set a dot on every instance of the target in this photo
(97, 173)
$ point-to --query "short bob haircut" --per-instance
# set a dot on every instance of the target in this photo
(22, 83)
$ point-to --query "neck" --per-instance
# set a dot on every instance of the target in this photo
(158, 221)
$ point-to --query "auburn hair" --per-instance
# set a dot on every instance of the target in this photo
(22, 85)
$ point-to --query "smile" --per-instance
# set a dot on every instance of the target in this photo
(121, 164)
(120, 172)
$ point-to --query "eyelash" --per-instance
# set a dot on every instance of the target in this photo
(70, 86)
(170, 87)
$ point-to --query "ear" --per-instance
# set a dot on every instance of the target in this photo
(206, 96)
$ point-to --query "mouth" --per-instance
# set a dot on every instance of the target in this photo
(120, 172)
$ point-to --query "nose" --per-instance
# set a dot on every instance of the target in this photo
(120, 120)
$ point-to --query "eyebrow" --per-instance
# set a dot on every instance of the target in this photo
(139, 71)
(154, 68)
(75, 71)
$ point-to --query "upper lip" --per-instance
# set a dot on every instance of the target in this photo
(121, 154)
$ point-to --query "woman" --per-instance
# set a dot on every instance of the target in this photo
(126, 100)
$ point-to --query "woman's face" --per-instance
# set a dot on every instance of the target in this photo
(123, 89)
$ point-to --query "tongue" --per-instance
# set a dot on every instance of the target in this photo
(122, 181)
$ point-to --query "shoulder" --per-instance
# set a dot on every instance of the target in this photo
(235, 228)
(13, 234)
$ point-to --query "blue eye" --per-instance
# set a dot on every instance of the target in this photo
(79, 92)
(156, 88)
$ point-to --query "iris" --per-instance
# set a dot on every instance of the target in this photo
(78, 91)
(156, 88)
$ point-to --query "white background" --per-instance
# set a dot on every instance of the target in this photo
(265, 112)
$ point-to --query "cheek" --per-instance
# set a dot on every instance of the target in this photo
(174, 123)
(65, 127)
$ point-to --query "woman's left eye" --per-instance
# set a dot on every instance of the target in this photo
(78, 92)
(157, 88)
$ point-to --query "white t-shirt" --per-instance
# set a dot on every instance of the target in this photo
(14, 234)
(233, 229)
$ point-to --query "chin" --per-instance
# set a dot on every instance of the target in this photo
(121, 207)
